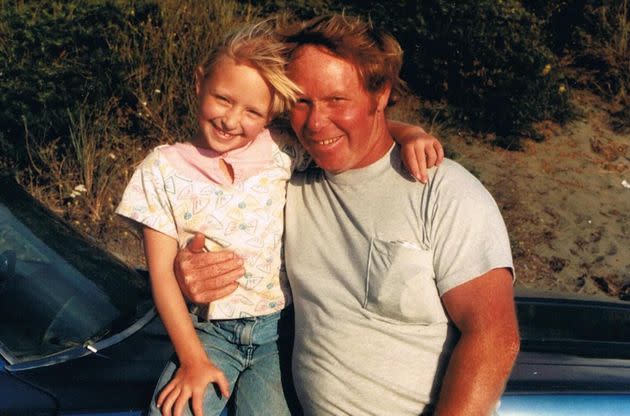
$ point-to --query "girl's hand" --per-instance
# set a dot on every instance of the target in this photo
(190, 382)
(419, 153)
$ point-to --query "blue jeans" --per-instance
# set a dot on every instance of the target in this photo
(255, 356)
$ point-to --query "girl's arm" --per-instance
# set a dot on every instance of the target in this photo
(419, 150)
(196, 370)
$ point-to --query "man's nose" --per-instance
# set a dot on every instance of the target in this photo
(231, 118)
(317, 117)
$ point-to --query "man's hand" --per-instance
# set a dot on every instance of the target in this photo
(206, 276)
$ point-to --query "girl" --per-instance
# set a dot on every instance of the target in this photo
(228, 183)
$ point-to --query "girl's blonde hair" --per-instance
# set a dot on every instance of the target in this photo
(258, 46)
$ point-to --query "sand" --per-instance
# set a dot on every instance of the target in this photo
(566, 202)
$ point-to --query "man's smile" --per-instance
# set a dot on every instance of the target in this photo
(327, 141)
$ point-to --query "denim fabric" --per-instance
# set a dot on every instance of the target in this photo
(255, 355)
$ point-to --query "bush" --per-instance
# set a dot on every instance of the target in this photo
(593, 36)
(162, 51)
(56, 58)
(487, 58)
(301, 9)
(604, 48)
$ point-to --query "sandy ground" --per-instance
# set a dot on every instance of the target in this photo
(566, 209)
(564, 202)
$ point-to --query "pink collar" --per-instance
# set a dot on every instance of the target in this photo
(199, 163)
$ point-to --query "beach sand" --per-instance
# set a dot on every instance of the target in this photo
(565, 200)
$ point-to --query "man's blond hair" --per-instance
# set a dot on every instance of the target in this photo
(259, 47)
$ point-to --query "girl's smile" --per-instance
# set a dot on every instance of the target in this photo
(234, 105)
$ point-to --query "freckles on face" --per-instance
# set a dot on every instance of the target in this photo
(335, 118)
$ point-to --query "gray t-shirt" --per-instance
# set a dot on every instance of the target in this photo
(369, 252)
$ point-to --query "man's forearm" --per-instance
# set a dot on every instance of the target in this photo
(477, 372)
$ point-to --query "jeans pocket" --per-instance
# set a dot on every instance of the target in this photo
(400, 283)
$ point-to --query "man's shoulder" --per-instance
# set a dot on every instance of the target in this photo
(452, 175)
(453, 170)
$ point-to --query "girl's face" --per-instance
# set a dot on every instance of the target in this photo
(233, 105)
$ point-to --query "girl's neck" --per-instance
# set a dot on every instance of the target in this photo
(227, 169)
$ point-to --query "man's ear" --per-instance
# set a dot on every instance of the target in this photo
(199, 77)
(382, 97)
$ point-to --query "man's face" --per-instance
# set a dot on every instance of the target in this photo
(339, 123)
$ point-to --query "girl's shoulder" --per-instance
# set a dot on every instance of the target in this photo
(159, 158)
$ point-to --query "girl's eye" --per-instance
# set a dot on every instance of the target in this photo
(254, 113)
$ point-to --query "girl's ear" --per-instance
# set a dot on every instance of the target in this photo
(199, 77)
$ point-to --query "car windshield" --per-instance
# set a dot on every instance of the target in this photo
(57, 290)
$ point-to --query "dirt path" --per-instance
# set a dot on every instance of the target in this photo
(565, 203)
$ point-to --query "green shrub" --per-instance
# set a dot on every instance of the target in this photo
(593, 37)
(604, 48)
(487, 58)
(55, 57)
(162, 51)
(301, 9)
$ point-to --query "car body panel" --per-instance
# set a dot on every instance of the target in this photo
(574, 359)
(565, 405)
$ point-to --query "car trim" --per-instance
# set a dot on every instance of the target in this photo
(563, 404)
(79, 351)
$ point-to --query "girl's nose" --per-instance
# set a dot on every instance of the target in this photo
(231, 119)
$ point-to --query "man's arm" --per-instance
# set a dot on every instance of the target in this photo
(483, 310)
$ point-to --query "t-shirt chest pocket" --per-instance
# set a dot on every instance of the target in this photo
(399, 283)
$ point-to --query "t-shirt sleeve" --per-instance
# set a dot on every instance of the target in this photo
(145, 200)
(291, 147)
(467, 231)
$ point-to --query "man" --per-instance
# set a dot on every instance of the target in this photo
(402, 292)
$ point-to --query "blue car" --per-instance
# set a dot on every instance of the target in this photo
(78, 331)
(574, 359)
(79, 334)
